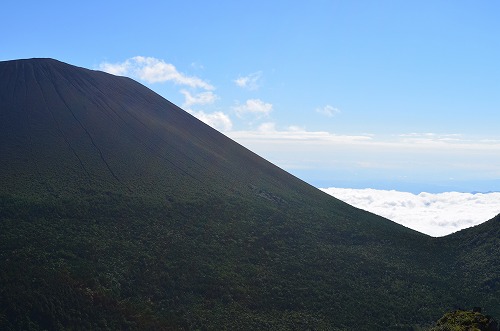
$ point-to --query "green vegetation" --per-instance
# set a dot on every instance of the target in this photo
(460, 320)
(111, 261)
(120, 211)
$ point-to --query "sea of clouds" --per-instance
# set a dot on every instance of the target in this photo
(436, 214)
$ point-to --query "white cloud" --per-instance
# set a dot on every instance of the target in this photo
(267, 132)
(250, 82)
(449, 145)
(328, 110)
(153, 70)
(254, 106)
(434, 214)
(217, 120)
(202, 98)
(119, 69)
(429, 137)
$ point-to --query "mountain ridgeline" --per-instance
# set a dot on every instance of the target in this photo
(119, 210)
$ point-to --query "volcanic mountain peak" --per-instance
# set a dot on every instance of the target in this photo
(107, 129)
(119, 210)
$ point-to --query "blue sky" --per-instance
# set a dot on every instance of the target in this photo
(382, 94)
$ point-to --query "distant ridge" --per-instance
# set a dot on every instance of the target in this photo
(119, 210)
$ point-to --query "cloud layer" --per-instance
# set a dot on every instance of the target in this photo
(434, 214)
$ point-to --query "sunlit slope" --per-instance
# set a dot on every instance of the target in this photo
(119, 210)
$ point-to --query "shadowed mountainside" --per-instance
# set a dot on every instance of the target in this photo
(118, 210)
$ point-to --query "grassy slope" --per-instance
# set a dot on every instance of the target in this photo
(120, 210)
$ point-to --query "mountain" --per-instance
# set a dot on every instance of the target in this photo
(119, 210)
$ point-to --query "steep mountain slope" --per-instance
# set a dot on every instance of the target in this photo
(99, 130)
(477, 252)
(118, 210)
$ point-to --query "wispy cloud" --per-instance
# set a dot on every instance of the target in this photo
(250, 82)
(434, 214)
(431, 137)
(413, 153)
(328, 110)
(368, 156)
(153, 70)
(254, 106)
(202, 98)
(267, 131)
(448, 142)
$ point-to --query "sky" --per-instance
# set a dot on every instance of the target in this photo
(388, 95)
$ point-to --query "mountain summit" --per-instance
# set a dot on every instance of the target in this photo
(119, 210)
(65, 129)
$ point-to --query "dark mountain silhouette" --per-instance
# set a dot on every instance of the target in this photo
(118, 210)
